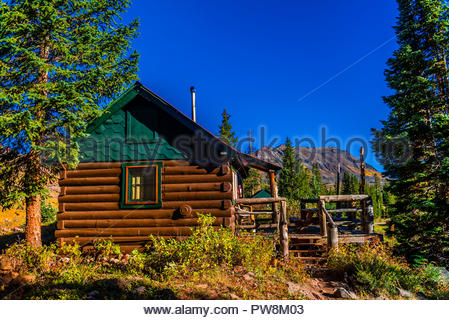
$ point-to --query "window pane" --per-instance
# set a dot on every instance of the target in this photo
(142, 183)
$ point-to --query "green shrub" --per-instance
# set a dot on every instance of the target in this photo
(375, 270)
(48, 212)
(105, 249)
(29, 259)
(208, 248)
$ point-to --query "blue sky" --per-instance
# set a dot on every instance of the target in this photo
(290, 66)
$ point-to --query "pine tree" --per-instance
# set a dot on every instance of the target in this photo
(225, 130)
(253, 183)
(348, 185)
(59, 61)
(289, 180)
(304, 177)
(413, 144)
(316, 184)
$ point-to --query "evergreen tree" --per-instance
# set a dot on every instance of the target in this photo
(253, 183)
(289, 180)
(59, 61)
(225, 130)
(413, 144)
(316, 184)
(349, 184)
(304, 178)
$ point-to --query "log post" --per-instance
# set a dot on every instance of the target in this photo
(332, 237)
(303, 214)
(338, 187)
(363, 216)
(369, 216)
(362, 171)
(322, 218)
(283, 231)
(274, 194)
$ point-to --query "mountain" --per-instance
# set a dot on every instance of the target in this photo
(327, 159)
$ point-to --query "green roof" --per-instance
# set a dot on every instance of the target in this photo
(262, 194)
(156, 124)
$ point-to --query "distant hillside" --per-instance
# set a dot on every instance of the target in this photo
(327, 159)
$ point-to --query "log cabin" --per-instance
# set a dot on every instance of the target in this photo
(146, 168)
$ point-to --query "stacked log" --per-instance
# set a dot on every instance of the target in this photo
(89, 203)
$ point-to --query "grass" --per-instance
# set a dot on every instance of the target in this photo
(210, 264)
(375, 271)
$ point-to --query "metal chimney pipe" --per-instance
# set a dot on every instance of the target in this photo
(192, 94)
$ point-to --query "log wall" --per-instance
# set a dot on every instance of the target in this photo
(89, 203)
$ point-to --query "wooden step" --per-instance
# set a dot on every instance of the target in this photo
(308, 251)
(311, 259)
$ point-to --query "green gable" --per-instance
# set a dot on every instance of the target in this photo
(141, 126)
(129, 130)
(261, 194)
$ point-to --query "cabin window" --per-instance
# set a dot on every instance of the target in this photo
(141, 187)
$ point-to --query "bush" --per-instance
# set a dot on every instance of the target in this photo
(208, 248)
(29, 259)
(105, 249)
(374, 270)
(48, 212)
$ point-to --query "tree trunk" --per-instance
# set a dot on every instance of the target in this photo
(33, 221)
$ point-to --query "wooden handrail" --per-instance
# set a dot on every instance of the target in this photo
(348, 197)
(329, 218)
(259, 200)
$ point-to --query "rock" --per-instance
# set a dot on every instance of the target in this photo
(293, 288)
(5, 264)
(65, 260)
(27, 278)
(444, 273)
(342, 293)
(7, 277)
(202, 286)
(164, 294)
(248, 276)
(234, 296)
(139, 291)
(405, 293)
(93, 294)
(420, 296)
(239, 269)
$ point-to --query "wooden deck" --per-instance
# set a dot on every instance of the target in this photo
(314, 231)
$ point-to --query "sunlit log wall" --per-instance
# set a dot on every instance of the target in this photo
(89, 203)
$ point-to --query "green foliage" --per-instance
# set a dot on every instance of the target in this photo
(208, 248)
(225, 130)
(106, 249)
(253, 183)
(375, 270)
(212, 255)
(316, 184)
(294, 178)
(350, 184)
(60, 61)
(48, 212)
(413, 143)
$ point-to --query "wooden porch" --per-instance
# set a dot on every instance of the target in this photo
(320, 225)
